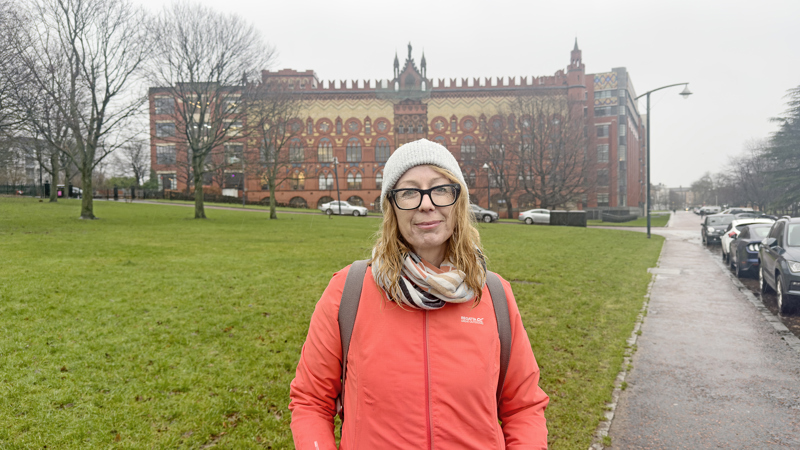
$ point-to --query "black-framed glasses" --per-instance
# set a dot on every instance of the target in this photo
(441, 196)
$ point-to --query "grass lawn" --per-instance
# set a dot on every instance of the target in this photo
(655, 221)
(147, 329)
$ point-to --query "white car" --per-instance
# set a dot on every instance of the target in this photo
(346, 208)
(532, 216)
(732, 232)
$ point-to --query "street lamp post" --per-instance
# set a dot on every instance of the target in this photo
(488, 185)
(336, 176)
(685, 93)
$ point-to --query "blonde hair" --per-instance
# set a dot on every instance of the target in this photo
(463, 247)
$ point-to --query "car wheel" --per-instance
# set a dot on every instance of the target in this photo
(487, 218)
(780, 296)
(329, 211)
(724, 257)
(705, 241)
(529, 221)
(356, 213)
(762, 282)
(738, 271)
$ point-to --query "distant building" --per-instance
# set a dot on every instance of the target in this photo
(360, 123)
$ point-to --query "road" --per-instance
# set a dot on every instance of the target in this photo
(713, 368)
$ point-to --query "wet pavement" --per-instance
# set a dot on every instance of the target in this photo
(713, 369)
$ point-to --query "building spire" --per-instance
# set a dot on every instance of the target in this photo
(576, 44)
(409, 50)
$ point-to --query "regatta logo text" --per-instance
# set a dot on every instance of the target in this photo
(477, 320)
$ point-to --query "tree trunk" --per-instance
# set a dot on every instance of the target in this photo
(87, 200)
(199, 209)
(272, 203)
(509, 209)
(54, 177)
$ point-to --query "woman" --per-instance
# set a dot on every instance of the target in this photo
(424, 357)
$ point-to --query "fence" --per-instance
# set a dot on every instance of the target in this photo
(30, 190)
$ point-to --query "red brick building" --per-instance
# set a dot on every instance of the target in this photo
(348, 129)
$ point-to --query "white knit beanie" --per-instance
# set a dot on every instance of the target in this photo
(418, 153)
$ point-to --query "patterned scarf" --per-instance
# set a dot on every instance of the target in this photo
(425, 286)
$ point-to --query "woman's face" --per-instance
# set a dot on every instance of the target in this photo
(427, 228)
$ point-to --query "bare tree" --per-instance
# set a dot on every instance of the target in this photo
(274, 115)
(550, 145)
(202, 61)
(134, 157)
(784, 150)
(11, 26)
(94, 49)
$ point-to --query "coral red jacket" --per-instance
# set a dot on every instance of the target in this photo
(416, 379)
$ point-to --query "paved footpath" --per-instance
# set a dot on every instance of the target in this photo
(711, 371)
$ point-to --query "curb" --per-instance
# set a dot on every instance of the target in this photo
(602, 428)
(791, 340)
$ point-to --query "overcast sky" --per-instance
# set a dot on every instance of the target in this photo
(739, 57)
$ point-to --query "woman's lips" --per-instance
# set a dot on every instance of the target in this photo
(428, 225)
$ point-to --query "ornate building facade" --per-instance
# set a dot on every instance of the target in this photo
(347, 130)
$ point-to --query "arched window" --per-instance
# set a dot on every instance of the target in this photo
(468, 148)
(325, 182)
(379, 180)
(355, 200)
(453, 125)
(325, 150)
(382, 150)
(296, 153)
(471, 178)
(353, 150)
(367, 127)
(338, 125)
(310, 127)
(298, 181)
(353, 180)
(298, 202)
(512, 124)
(325, 199)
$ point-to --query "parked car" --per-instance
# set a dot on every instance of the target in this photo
(732, 231)
(532, 216)
(483, 215)
(706, 210)
(744, 248)
(712, 227)
(737, 210)
(347, 208)
(779, 254)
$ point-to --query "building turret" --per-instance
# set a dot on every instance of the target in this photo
(424, 66)
(396, 65)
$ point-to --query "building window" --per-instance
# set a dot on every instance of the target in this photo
(298, 181)
(602, 199)
(325, 150)
(166, 181)
(602, 153)
(165, 154)
(367, 127)
(379, 180)
(232, 180)
(233, 127)
(234, 153)
(231, 105)
(353, 180)
(602, 177)
(603, 94)
(165, 105)
(453, 125)
(471, 178)
(468, 148)
(622, 150)
(401, 129)
(296, 153)
(382, 150)
(420, 129)
(309, 127)
(623, 129)
(325, 182)
(165, 129)
(482, 124)
(338, 126)
(353, 150)
(602, 131)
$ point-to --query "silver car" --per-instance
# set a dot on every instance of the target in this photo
(483, 215)
(532, 216)
(346, 208)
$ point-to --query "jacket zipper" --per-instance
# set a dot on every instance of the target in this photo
(427, 381)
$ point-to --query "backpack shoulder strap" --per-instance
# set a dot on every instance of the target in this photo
(348, 308)
(500, 303)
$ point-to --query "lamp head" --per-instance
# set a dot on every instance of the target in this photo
(485, 166)
(686, 92)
